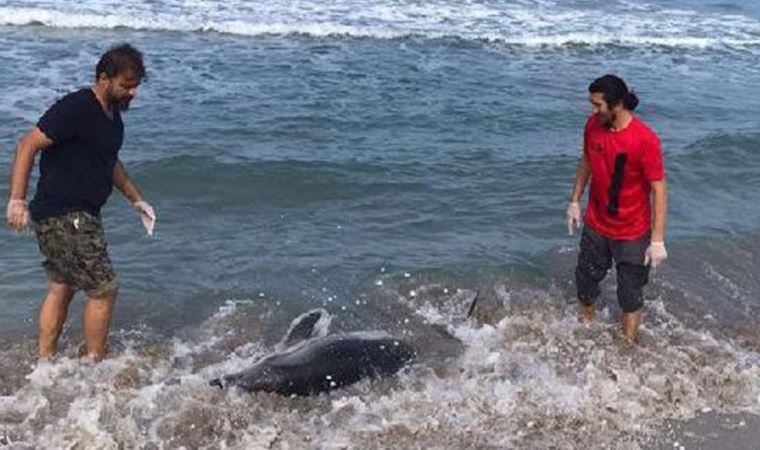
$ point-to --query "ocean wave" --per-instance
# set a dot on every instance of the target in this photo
(720, 154)
(529, 377)
(741, 144)
(542, 25)
(274, 183)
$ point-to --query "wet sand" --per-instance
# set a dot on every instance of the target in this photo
(710, 431)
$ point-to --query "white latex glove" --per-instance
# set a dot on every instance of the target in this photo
(655, 254)
(17, 215)
(147, 215)
(573, 217)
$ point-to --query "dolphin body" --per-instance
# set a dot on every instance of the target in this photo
(308, 361)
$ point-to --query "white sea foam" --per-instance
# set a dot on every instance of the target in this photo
(535, 378)
(535, 23)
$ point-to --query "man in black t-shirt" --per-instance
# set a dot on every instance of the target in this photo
(80, 137)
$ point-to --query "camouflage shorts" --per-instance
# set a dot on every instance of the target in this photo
(75, 253)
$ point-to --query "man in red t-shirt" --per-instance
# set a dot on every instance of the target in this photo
(628, 202)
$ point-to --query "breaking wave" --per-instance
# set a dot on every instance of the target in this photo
(537, 23)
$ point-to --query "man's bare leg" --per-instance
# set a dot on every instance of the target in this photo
(629, 323)
(53, 313)
(587, 313)
(97, 319)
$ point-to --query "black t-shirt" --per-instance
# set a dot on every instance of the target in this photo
(76, 172)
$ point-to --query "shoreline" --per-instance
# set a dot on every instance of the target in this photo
(709, 430)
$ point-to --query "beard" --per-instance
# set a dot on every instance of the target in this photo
(607, 119)
(123, 104)
(119, 103)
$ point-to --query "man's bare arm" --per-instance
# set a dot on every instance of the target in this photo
(125, 184)
(660, 209)
(17, 213)
(582, 175)
(23, 161)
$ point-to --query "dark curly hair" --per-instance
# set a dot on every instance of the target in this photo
(615, 91)
(121, 59)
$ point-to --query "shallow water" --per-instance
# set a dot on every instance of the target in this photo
(385, 161)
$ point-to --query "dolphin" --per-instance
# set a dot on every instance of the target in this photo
(309, 361)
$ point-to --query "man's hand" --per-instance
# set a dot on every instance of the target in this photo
(655, 254)
(573, 217)
(17, 215)
(147, 215)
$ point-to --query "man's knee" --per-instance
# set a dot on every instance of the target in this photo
(594, 261)
(104, 292)
(587, 278)
(631, 281)
(60, 291)
(630, 302)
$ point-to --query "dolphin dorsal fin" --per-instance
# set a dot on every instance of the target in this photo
(307, 326)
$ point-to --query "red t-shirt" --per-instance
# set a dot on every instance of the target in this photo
(623, 164)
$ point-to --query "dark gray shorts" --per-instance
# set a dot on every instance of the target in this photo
(595, 260)
(74, 252)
